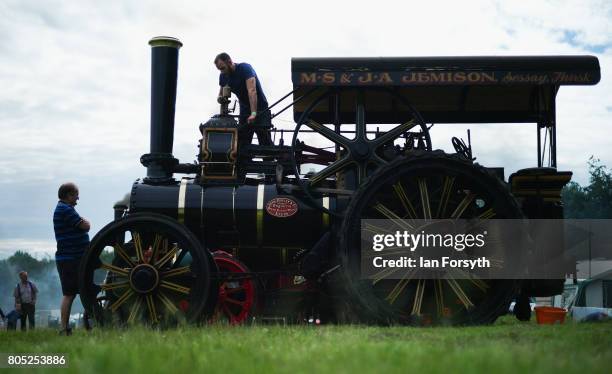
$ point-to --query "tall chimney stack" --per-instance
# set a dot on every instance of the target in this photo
(164, 65)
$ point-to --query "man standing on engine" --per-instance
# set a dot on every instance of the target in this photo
(243, 82)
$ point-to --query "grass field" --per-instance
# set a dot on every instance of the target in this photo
(507, 346)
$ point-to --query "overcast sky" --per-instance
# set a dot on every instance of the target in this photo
(74, 103)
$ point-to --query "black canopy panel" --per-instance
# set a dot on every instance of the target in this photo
(442, 89)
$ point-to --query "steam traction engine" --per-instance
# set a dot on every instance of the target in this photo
(248, 233)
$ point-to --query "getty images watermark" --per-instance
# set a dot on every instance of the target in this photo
(487, 249)
(412, 241)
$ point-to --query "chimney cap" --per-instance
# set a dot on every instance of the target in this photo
(165, 41)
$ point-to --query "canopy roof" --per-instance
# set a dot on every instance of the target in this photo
(442, 89)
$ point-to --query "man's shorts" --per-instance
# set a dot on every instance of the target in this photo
(68, 273)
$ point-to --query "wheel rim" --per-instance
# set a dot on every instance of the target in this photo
(147, 270)
(427, 190)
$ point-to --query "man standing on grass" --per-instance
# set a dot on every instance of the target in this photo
(71, 233)
(25, 300)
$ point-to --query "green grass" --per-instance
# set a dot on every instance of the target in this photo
(507, 346)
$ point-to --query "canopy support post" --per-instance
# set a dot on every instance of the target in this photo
(539, 133)
(553, 126)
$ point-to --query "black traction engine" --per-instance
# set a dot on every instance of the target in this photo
(254, 232)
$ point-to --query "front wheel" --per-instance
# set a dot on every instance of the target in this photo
(146, 269)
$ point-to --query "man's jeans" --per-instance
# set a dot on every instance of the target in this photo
(27, 311)
(261, 126)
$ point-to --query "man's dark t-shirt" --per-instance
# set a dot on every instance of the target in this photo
(237, 82)
(71, 240)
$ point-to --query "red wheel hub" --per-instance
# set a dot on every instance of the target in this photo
(236, 296)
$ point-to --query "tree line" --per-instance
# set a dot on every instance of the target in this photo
(593, 200)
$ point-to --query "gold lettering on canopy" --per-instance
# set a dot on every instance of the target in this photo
(423, 77)
(385, 78)
(473, 77)
(329, 78)
(409, 78)
(488, 77)
(366, 78)
(442, 78)
(346, 78)
(459, 77)
(525, 78)
(308, 78)
(564, 77)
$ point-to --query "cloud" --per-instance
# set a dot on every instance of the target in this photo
(573, 22)
(75, 97)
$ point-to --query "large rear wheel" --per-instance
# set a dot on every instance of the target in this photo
(426, 186)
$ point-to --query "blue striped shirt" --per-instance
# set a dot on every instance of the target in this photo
(71, 240)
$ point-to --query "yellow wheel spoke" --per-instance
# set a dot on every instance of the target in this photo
(460, 293)
(113, 286)
(439, 296)
(424, 198)
(122, 299)
(467, 200)
(114, 269)
(445, 196)
(177, 271)
(382, 209)
(155, 248)
(134, 311)
(167, 303)
(138, 246)
(396, 291)
(164, 249)
(418, 298)
(385, 272)
(390, 251)
(167, 257)
(175, 287)
(123, 254)
(398, 189)
(375, 229)
(489, 213)
(399, 287)
(482, 285)
(151, 307)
